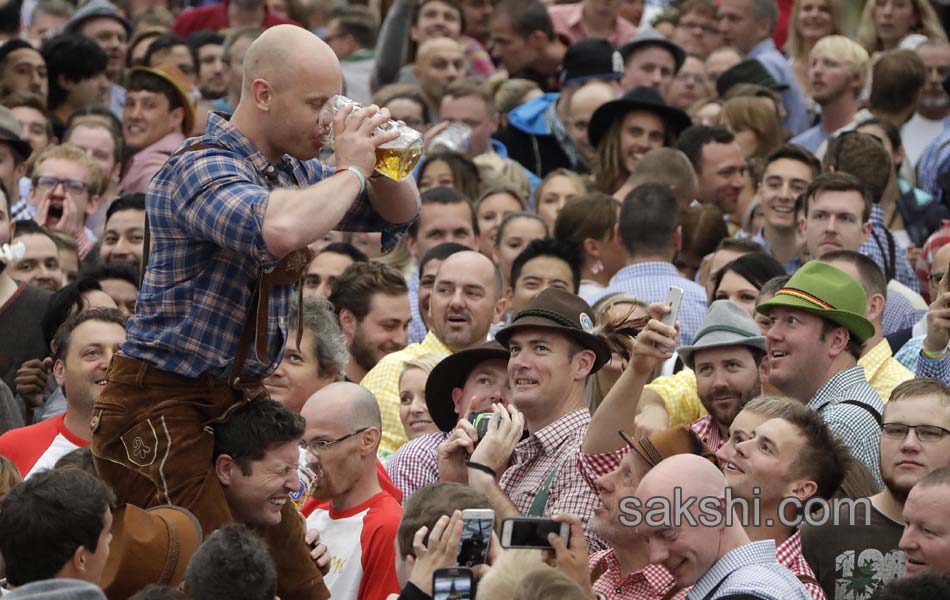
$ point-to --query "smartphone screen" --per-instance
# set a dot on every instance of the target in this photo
(530, 533)
(452, 584)
(476, 536)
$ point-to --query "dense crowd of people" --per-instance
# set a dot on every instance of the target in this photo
(670, 277)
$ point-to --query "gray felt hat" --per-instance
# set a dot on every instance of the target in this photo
(725, 324)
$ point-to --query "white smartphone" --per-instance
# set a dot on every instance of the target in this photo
(477, 526)
(673, 298)
(532, 532)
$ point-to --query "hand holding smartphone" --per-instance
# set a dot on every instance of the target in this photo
(453, 583)
(532, 532)
(674, 298)
(477, 525)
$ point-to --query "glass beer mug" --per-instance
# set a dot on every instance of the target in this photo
(395, 159)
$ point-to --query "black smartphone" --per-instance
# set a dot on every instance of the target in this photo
(454, 583)
(532, 532)
(476, 536)
(480, 421)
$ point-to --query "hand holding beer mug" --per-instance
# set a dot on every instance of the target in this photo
(396, 158)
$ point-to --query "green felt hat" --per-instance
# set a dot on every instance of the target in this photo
(830, 293)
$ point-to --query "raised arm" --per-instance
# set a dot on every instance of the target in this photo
(620, 406)
(295, 218)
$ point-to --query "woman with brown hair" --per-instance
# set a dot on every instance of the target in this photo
(624, 130)
(755, 123)
(590, 221)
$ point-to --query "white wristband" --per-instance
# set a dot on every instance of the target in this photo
(359, 176)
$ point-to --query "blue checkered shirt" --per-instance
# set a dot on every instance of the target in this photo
(910, 356)
(417, 328)
(853, 425)
(932, 164)
(651, 281)
(876, 246)
(205, 211)
(749, 571)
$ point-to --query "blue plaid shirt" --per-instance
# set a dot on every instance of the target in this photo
(205, 211)
(853, 425)
(650, 282)
(876, 246)
(910, 356)
(933, 162)
(749, 571)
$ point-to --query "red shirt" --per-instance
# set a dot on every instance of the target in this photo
(215, 18)
(38, 447)
(360, 542)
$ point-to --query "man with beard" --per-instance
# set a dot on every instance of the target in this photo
(84, 346)
(934, 106)
(466, 300)
(22, 69)
(725, 355)
(717, 160)
(839, 68)
(101, 21)
(356, 518)
(124, 235)
(858, 552)
(371, 301)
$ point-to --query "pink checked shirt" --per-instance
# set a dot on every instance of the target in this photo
(652, 582)
(568, 21)
(789, 553)
(533, 460)
(416, 463)
(708, 432)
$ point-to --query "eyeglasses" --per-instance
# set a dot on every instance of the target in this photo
(935, 278)
(318, 446)
(924, 433)
(73, 186)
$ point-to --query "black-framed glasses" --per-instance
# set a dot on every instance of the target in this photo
(73, 186)
(935, 278)
(317, 446)
(924, 433)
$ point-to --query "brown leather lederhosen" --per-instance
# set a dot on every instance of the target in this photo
(153, 437)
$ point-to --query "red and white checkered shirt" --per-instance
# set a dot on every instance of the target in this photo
(556, 445)
(789, 553)
(652, 582)
(416, 463)
(708, 432)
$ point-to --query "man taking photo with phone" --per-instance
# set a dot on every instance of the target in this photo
(553, 351)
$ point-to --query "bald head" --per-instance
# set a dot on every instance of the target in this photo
(476, 264)
(348, 402)
(694, 475)
(435, 45)
(275, 56)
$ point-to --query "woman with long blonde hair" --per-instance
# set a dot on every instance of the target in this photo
(891, 24)
(811, 20)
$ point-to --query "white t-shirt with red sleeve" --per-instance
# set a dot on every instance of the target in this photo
(35, 448)
(360, 541)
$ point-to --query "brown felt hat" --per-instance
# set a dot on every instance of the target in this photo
(451, 373)
(565, 312)
(670, 442)
(149, 546)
